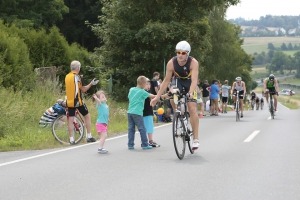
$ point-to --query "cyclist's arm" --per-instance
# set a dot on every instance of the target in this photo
(194, 68)
(276, 85)
(233, 86)
(244, 86)
(265, 85)
(166, 81)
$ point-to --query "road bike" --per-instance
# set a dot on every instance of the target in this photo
(237, 106)
(257, 105)
(252, 104)
(271, 105)
(182, 129)
(261, 105)
(60, 128)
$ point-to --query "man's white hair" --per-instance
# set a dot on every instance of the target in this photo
(75, 65)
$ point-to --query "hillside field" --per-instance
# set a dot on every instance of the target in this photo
(259, 44)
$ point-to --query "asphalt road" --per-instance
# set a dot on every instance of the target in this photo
(256, 158)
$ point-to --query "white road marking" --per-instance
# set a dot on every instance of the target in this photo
(68, 149)
(252, 136)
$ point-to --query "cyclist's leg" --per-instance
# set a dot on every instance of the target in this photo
(275, 101)
(267, 97)
(241, 101)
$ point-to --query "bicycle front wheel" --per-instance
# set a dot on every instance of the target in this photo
(189, 136)
(237, 116)
(178, 136)
(60, 129)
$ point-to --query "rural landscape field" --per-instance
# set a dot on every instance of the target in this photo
(260, 44)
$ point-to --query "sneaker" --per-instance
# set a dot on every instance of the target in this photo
(147, 147)
(91, 139)
(242, 115)
(102, 150)
(130, 147)
(153, 144)
(195, 144)
(72, 143)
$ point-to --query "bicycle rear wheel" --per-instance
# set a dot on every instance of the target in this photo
(189, 134)
(60, 129)
(178, 136)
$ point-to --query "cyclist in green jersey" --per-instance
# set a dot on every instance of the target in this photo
(271, 85)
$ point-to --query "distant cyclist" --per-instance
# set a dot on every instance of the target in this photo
(252, 96)
(271, 85)
(257, 101)
(262, 102)
(239, 86)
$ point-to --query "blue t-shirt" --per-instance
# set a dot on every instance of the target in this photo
(137, 98)
(103, 113)
(214, 91)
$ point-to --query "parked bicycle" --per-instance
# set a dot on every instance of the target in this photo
(182, 129)
(60, 128)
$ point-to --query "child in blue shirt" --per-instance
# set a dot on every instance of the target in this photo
(102, 119)
(137, 96)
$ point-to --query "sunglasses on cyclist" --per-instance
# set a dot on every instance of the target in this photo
(181, 52)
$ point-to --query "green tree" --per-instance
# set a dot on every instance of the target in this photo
(290, 46)
(297, 63)
(283, 47)
(279, 61)
(139, 35)
(42, 13)
(15, 68)
(227, 59)
(271, 46)
(73, 25)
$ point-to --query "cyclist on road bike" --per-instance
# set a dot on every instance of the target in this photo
(261, 102)
(253, 96)
(240, 86)
(257, 100)
(271, 85)
(185, 69)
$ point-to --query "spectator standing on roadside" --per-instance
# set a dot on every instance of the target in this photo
(199, 100)
(74, 90)
(154, 83)
(137, 96)
(205, 92)
(225, 93)
(214, 94)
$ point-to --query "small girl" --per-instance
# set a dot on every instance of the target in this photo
(102, 119)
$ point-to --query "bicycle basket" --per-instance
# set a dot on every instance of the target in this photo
(59, 109)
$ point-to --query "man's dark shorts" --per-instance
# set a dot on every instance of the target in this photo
(82, 109)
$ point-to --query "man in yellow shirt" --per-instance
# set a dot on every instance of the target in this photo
(74, 90)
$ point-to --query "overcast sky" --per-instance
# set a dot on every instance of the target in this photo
(254, 9)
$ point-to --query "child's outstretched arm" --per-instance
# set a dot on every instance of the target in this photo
(151, 96)
(96, 99)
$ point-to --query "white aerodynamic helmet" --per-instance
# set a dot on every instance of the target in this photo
(238, 78)
(184, 46)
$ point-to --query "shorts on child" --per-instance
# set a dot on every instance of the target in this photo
(101, 127)
(148, 122)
